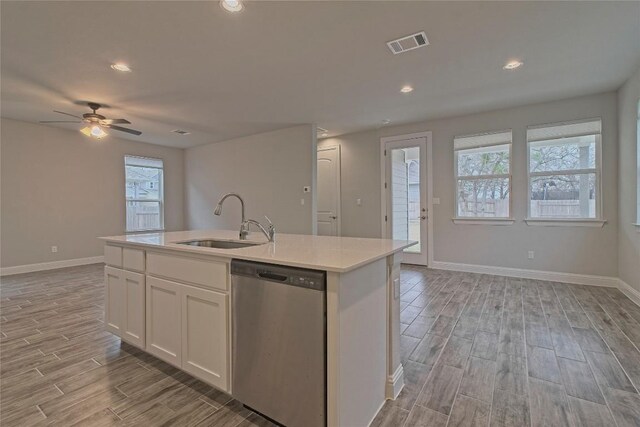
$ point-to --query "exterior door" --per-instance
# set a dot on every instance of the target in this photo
(406, 196)
(328, 201)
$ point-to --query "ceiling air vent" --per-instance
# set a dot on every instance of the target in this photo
(407, 43)
(181, 132)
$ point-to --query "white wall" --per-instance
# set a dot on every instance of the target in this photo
(582, 250)
(629, 168)
(61, 188)
(269, 170)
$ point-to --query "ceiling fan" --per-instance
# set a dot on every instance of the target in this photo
(95, 122)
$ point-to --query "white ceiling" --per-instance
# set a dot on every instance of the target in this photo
(277, 64)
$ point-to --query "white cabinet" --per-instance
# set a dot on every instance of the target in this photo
(114, 298)
(205, 341)
(185, 324)
(124, 305)
(133, 330)
(163, 320)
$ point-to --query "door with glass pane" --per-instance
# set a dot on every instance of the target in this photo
(406, 196)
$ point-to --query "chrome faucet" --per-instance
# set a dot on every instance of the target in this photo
(244, 227)
(270, 232)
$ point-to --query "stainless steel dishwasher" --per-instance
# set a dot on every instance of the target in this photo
(279, 342)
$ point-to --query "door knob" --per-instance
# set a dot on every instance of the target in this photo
(334, 217)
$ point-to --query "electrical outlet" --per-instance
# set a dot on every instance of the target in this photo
(531, 254)
(54, 249)
(435, 200)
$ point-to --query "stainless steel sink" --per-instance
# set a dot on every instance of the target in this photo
(221, 244)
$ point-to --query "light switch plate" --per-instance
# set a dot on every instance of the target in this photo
(436, 200)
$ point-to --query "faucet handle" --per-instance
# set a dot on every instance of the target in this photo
(272, 229)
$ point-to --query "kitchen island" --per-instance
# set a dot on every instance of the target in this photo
(173, 300)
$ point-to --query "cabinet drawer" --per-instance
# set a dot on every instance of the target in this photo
(208, 273)
(113, 256)
(133, 259)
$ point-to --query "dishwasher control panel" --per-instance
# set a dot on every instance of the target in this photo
(311, 279)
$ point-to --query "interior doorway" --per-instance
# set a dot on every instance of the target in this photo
(328, 198)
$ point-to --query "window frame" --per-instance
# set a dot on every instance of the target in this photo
(598, 221)
(471, 220)
(160, 201)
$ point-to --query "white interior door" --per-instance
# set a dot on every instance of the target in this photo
(406, 195)
(328, 201)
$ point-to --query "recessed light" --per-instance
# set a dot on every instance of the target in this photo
(512, 65)
(406, 89)
(231, 5)
(386, 122)
(181, 132)
(119, 66)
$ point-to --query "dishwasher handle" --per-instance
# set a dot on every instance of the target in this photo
(272, 276)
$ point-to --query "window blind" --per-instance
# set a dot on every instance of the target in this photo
(481, 140)
(144, 162)
(564, 130)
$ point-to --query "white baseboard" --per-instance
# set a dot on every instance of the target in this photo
(29, 268)
(395, 383)
(632, 293)
(579, 279)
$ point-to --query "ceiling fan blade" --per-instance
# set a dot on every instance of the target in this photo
(115, 121)
(67, 114)
(121, 129)
(59, 121)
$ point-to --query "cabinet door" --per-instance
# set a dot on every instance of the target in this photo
(114, 297)
(163, 320)
(134, 308)
(205, 338)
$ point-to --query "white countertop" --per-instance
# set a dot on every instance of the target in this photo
(338, 254)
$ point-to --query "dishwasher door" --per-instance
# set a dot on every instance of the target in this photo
(279, 342)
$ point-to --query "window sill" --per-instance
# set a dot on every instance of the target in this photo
(484, 221)
(566, 222)
(151, 230)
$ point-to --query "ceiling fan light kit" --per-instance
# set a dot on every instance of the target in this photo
(95, 123)
(94, 131)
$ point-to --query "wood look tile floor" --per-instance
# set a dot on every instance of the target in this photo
(477, 350)
(59, 367)
(482, 350)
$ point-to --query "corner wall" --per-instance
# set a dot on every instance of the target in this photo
(629, 168)
(60, 188)
(580, 250)
(269, 170)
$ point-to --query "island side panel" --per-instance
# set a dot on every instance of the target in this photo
(357, 344)
(395, 373)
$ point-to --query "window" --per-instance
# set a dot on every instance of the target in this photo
(564, 171)
(144, 194)
(483, 175)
